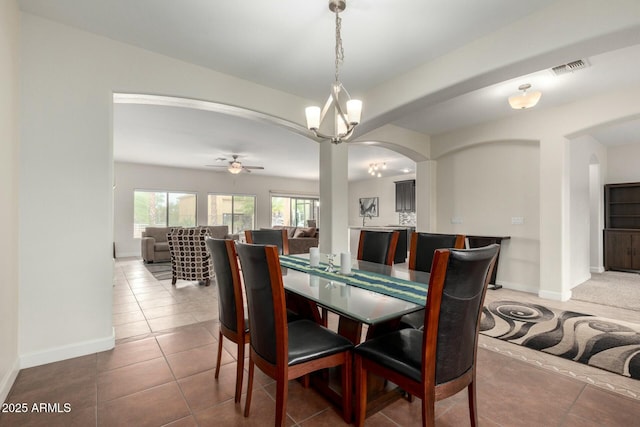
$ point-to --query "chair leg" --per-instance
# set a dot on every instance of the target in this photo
(361, 392)
(207, 282)
(473, 404)
(428, 409)
(282, 388)
(347, 388)
(306, 381)
(220, 338)
(247, 403)
(174, 279)
(239, 368)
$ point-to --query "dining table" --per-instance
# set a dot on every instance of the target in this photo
(371, 294)
(367, 294)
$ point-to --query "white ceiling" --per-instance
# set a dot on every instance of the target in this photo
(288, 45)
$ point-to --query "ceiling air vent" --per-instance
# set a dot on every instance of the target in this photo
(570, 67)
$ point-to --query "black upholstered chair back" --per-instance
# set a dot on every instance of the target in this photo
(460, 308)
(378, 246)
(423, 245)
(265, 302)
(227, 292)
(276, 237)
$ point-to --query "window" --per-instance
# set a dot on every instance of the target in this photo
(294, 210)
(238, 212)
(162, 209)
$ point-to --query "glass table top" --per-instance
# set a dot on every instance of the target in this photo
(359, 304)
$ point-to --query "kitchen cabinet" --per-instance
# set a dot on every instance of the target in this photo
(406, 196)
(622, 226)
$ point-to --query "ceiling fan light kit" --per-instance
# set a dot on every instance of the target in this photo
(344, 111)
(235, 166)
(525, 99)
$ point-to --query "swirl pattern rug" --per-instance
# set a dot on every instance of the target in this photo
(603, 343)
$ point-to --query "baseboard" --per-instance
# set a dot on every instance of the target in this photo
(555, 296)
(517, 287)
(597, 269)
(7, 382)
(128, 254)
(68, 351)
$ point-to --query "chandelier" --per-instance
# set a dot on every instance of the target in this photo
(344, 111)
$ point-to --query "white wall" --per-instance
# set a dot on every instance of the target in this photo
(130, 177)
(583, 152)
(484, 186)
(622, 163)
(9, 83)
(66, 174)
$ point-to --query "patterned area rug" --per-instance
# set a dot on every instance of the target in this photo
(160, 270)
(603, 343)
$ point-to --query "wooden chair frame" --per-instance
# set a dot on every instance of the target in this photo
(427, 390)
(390, 252)
(413, 247)
(285, 239)
(240, 337)
(282, 372)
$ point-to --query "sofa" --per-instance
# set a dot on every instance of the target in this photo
(155, 247)
(301, 238)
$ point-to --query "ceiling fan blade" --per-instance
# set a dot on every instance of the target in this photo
(253, 167)
(216, 166)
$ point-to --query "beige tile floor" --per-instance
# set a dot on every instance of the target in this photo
(161, 372)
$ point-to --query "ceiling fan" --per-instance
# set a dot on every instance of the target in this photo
(234, 166)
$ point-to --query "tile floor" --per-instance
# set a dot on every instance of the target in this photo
(161, 372)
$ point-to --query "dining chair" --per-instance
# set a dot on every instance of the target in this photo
(278, 237)
(234, 324)
(285, 351)
(298, 308)
(378, 246)
(423, 246)
(439, 361)
(421, 250)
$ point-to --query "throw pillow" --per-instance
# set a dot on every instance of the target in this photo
(305, 232)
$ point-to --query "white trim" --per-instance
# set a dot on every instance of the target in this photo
(135, 254)
(68, 351)
(555, 296)
(8, 380)
(517, 287)
(597, 269)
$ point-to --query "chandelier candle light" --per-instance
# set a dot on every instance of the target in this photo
(346, 112)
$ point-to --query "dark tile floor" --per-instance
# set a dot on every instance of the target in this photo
(166, 377)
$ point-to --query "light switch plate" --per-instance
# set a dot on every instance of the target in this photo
(456, 220)
(517, 220)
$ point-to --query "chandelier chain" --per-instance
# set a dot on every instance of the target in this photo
(339, 48)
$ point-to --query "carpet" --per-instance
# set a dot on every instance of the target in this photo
(160, 270)
(603, 343)
(612, 288)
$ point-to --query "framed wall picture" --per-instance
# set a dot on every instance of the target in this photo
(369, 206)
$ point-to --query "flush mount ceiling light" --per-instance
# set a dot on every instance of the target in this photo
(525, 99)
(342, 112)
(374, 169)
